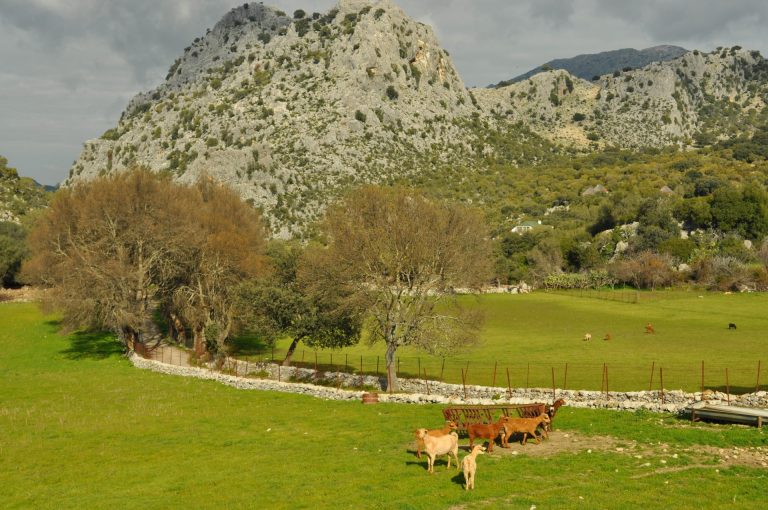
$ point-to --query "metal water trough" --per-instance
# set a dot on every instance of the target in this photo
(728, 414)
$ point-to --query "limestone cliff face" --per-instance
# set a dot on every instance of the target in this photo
(292, 111)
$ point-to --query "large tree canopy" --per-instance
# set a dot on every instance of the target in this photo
(286, 304)
(399, 257)
(115, 250)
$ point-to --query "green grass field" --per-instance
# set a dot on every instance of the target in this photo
(82, 428)
(545, 331)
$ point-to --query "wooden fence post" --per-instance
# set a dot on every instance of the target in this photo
(602, 380)
(495, 365)
(442, 371)
(509, 385)
(464, 383)
(702, 378)
(426, 382)
(661, 383)
(653, 369)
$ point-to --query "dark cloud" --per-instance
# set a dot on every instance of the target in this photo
(70, 66)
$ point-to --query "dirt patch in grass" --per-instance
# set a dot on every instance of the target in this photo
(659, 454)
(560, 442)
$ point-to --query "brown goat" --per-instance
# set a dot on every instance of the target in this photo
(526, 426)
(489, 431)
(449, 426)
(551, 411)
(554, 407)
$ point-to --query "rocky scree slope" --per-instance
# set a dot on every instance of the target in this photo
(695, 99)
(291, 111)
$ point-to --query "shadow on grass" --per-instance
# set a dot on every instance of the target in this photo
(92, 345)
(248, 345)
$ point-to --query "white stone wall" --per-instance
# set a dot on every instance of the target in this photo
(415, 391)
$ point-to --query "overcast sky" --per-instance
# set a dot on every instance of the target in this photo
(69, 67)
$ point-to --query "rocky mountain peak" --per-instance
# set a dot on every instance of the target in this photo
(292, 110)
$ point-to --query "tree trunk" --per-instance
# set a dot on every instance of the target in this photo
(177, 330)
(291, 349)
(129, 338)
(199, 335)
(392, 384)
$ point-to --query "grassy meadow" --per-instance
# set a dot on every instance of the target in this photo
(82, 428)
(545, 330)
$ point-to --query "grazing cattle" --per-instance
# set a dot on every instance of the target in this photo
(469, 464)
(731, 325)
(607, 337)
(587, 336)
(649, 329)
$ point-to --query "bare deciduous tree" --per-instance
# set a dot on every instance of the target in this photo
(398, 256)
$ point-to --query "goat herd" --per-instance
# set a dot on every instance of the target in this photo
(445, 441)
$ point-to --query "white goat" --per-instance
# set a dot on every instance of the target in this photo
(469, 464)
(443, 445)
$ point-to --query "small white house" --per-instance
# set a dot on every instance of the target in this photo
(528, 226)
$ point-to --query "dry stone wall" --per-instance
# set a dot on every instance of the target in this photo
(345, 386)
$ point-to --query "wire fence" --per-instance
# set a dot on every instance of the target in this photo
(728, 377)
(621, 295)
